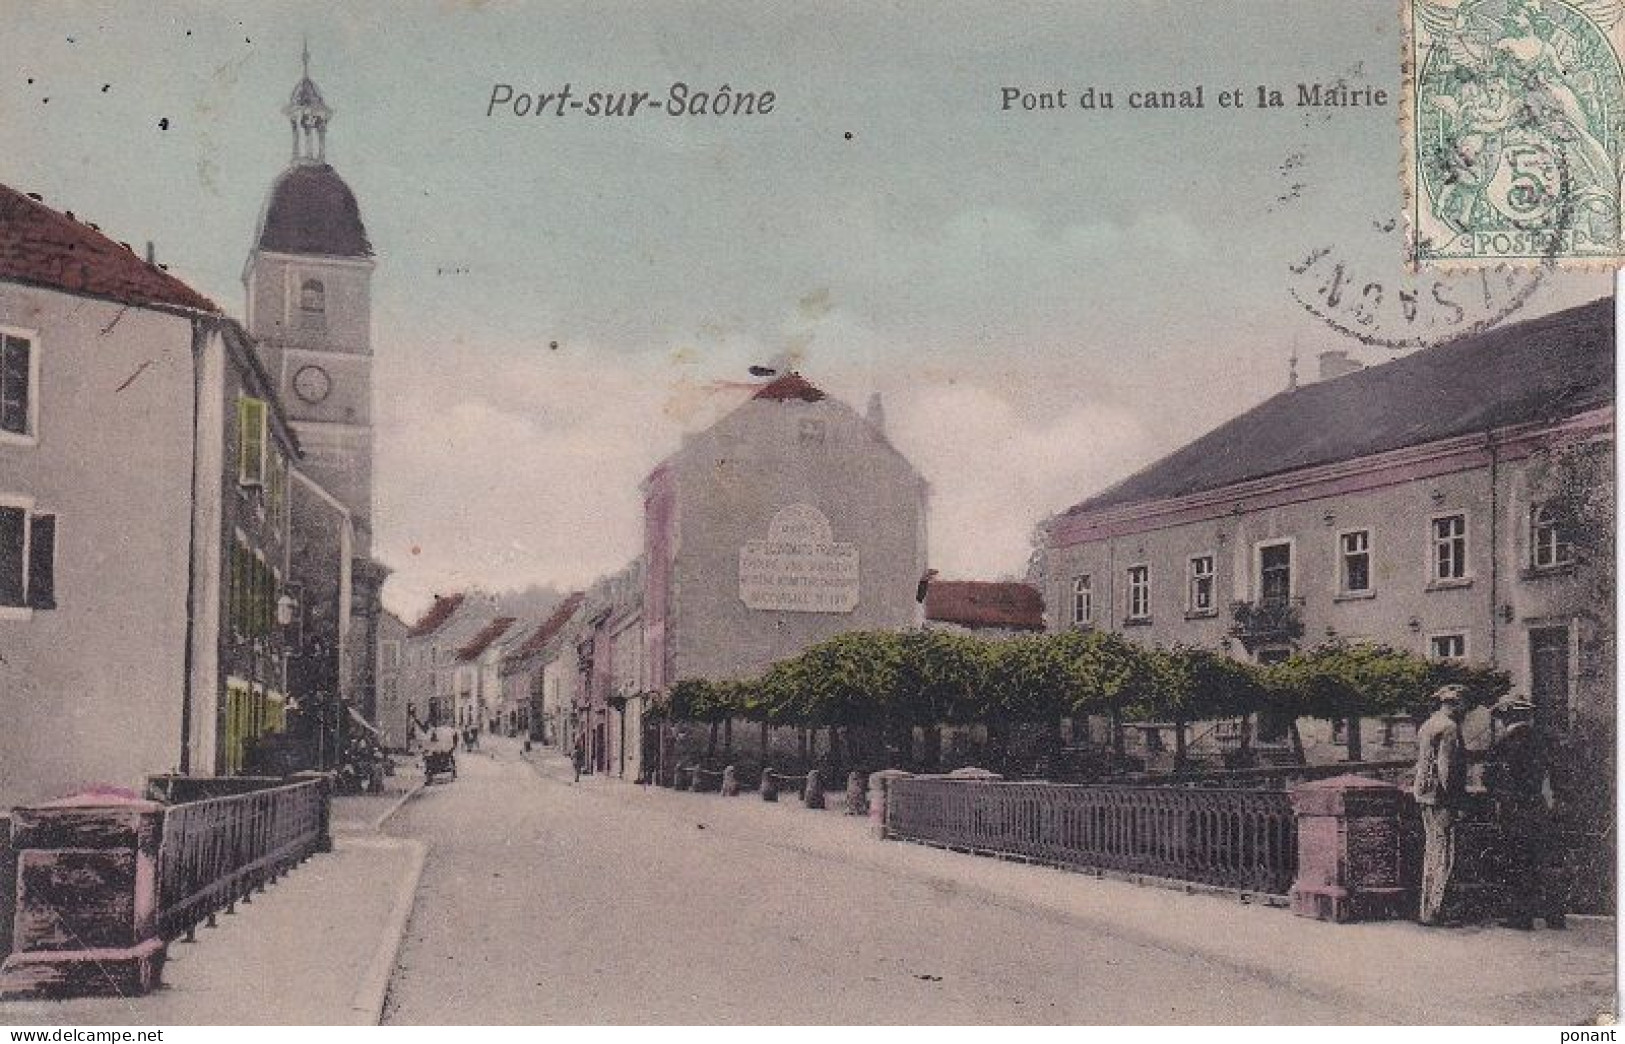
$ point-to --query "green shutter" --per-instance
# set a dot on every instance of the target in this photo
(251, 441)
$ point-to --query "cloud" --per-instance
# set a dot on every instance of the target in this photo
(996, 469)
(500, 467)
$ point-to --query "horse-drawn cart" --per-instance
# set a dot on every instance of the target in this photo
(438, 763)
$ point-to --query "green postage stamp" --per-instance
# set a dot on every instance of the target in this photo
(1514, 116)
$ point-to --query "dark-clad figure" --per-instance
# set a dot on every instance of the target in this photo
(1441, 791)
(1519, 774)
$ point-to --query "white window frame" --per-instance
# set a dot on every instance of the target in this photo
(1128, 592)
(31, 436)
(1291, 544)
(1562, 550)
(1437, 636)
(1083, 600)
(1341, 580)
(1433, 541)
(26, 504)
(1212, 577)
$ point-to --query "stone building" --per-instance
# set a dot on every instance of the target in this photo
(144, 476)
(428, 675)
(523, 671)
(476, 681)
(612, 682)
(1425, 503)
(319, 640)
(396, 713)
(790, 520)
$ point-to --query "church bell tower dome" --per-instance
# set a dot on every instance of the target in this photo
(308, 284)
(311, 210)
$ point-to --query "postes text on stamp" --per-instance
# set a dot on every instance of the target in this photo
(1514, 115)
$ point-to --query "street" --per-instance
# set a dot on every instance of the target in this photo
(547, 902)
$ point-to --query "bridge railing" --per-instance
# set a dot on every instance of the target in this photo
(1243, 839)
(217, 851)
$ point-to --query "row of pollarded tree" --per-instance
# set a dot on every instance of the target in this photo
(889, 683)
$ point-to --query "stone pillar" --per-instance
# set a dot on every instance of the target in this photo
(770, 785)
(730, 782)
(1348, 850)
(87, 898)
(366, 605)
(813, 794)
(324, 832)
(878, 784)
(857, 803)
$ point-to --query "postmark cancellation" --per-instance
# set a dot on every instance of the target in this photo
(1513, 118)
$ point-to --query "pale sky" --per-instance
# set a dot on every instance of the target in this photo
(1047, 300)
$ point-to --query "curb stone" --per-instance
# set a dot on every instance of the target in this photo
(373, 991)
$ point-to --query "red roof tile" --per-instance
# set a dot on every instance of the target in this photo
(550, 627)
(436, 616)
(487, 634)
(40, 247)
(978, 603)
(790, 386)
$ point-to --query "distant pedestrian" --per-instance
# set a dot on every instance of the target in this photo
(1519, 774)
(1441, 791)
(578, 756)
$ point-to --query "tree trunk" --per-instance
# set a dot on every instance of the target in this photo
(1297, 741)
(801, 742)
(1117, 732)
(1246, 733)
(834, 746)
(765, 743)
(1180, 753)
(998, 744)
(1353, 724)
(932, 752)
(711, 741)
(728, 734)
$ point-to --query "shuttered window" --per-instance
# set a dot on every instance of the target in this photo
(13, 555)
(42, 562)
(251, 441)
(16, 378)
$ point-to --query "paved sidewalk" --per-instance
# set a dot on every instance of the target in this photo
(315, 948)
(1410, 974)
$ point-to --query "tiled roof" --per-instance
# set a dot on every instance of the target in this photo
(41, 247)
(550, 627)
(980, 603)
(790, 386)
(1539, 370)
(487, 634)
(436, 616)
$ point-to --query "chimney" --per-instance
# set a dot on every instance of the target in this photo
(1336, 363)
(152, 254)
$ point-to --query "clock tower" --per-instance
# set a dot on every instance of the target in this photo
(309, 287)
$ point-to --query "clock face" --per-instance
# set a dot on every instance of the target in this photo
(312, 384)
